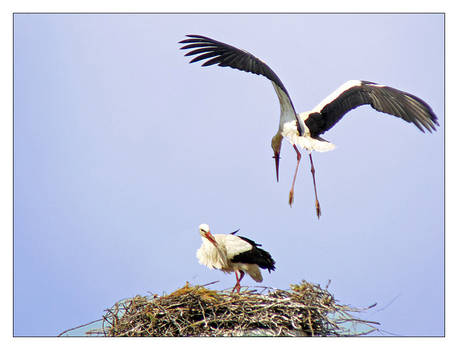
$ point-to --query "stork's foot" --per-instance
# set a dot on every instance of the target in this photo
(291, 198)
(318, 208)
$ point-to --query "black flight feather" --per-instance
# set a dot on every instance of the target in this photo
(256, 256)
(382, 98)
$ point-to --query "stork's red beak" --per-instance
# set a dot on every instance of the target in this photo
(277, 163)
(210, 237)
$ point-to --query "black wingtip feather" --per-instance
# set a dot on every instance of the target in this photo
(382, 98)
(226, 55)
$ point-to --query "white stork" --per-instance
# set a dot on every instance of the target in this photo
(228, 253)
(304, 129)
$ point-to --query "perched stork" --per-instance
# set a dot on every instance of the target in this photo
(304, 129)
(228, 253)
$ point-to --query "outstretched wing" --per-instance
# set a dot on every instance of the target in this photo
(224, 55)
(383, 98)
(227, 56)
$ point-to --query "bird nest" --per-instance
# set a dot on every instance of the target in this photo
(305, 310)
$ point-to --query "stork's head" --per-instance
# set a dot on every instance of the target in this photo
(204, 231)
(276, 147)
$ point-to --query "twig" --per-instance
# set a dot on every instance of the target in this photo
(84, 325)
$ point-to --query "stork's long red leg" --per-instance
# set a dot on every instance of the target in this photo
(237, 284)
(317, 204)
(241, 276)
(291, 192)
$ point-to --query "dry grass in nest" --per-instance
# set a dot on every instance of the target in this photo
(305, 310)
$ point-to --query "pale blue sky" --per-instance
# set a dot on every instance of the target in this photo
(122, 148)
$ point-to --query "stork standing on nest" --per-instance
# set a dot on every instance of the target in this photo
(303, 130)
(228, 252)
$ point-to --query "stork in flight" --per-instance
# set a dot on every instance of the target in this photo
(228, 253)
(304, 129)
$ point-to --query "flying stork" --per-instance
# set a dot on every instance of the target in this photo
(304, 129)
(228, 252)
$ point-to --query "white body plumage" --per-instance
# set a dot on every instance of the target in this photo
(219, 257)
(230, 253)
(288, 127)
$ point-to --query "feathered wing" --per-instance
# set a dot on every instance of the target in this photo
(256, 256)
(355, 93)
(224, 55)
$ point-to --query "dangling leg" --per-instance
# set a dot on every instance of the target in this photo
(317, 204)
(291, 192)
